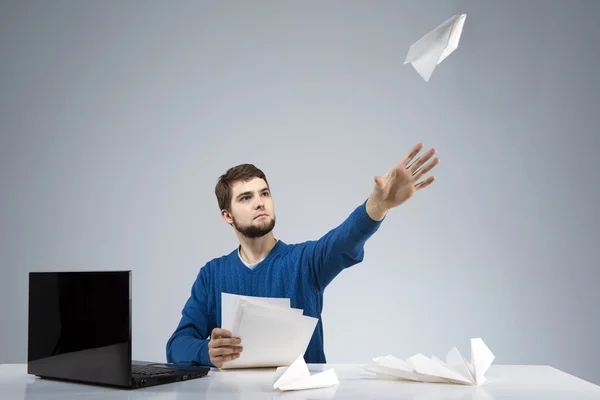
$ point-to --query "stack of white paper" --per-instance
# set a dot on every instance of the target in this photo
(272, 333)
(456, 369)
(297, 377)
(426, 53)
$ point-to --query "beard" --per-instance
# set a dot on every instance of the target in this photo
(254, 231)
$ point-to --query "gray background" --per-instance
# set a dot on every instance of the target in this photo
(117, 118)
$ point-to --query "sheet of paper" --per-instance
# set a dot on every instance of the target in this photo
(433, 48)
(230, 301)
(271, 336)
(456, 369)
(297, 377)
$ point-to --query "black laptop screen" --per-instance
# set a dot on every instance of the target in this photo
(80, 325)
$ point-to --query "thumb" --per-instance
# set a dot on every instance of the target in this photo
(379, 181)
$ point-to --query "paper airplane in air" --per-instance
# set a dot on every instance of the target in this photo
(434, 47)
(456, 369)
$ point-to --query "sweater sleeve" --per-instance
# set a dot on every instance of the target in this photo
(342, 247)
(189, 342)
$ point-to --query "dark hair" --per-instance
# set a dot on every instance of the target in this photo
(242, 172)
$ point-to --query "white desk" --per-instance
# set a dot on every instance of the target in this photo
(503, 381)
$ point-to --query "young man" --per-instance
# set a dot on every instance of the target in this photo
(267, 267)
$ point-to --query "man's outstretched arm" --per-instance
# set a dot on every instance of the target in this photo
(343, 246)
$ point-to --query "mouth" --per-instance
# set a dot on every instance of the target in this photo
(261, 216)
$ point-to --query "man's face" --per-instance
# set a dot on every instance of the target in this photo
(252, 211)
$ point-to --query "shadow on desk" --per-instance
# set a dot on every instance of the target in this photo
(258, 384)
(355, 383)
(215, 386)
(250, 384)
(408, 390)
(41, 388)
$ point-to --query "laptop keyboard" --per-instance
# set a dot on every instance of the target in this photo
(151, 370)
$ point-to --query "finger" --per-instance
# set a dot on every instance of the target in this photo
(419, 173)
(223, 351)
(379, 181)
(388, 174)
(425, 183)
(218, 332)
(411, 166)
(420, 161)
(224, 342)
(222, 360)
(411, 154)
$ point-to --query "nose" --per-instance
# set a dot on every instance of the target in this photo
(260, 203)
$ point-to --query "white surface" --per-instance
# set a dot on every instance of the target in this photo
(272, 333)
(429, 51)
(504, 381)
(298, 377)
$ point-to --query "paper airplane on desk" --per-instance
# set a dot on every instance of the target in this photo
(434, 47)
(297, 377)
(456, 369)
(272, 333)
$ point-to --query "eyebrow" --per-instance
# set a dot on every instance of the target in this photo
(249, 193)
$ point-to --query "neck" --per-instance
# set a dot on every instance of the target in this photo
(254, 250)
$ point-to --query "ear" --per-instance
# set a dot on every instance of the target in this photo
(226, 216)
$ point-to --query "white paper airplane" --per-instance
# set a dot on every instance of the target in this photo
(456, 369)
(297, 377)
(434, 47)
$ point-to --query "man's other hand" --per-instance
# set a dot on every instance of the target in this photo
(223, 347)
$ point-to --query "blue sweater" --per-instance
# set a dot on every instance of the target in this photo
(300, 272)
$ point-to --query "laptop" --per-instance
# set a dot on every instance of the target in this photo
(80, 331)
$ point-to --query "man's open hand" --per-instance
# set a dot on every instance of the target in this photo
(222, 347)
(401, 181)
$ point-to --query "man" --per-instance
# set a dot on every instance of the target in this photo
(267, 267)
